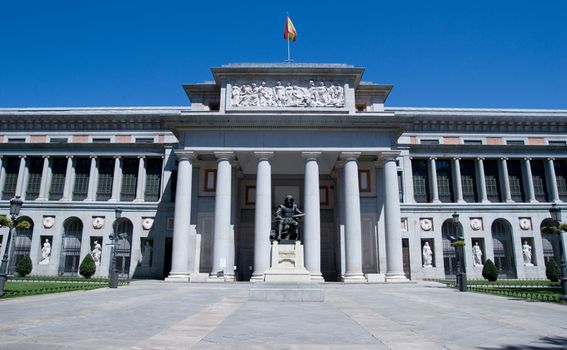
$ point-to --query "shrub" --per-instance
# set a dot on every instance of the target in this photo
(552, 271)
(88, 267)
(24, 266)
(489, 271)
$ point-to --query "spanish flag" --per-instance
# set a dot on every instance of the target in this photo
(289, 31)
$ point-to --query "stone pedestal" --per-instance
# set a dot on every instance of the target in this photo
(287, 264)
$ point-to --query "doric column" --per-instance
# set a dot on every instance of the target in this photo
(141, 180)
(116, 179)
(529, 181)
(457, 183)
(551, 180)
(392, 219)
(433, 187)
(223, 203)
(312, 221)
(479, 163)
(67, 187)
(263, 215)
(43, 186)
(352, 219)
(93, 179)
(2, 174)
(183, 245)
(21, 174)
(505, 180)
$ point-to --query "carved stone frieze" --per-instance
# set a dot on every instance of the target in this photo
(291, 95)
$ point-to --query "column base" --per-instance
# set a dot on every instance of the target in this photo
(396, 278)
(183, 277)
(354, 278)
(317, 277)
(485, 201)
(257, 277)
(213, 278)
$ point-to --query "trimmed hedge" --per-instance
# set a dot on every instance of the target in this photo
(24, 266)
(489, 271)
(552, 271)
(88, 267)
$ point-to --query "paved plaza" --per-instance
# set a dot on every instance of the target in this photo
(159, 315)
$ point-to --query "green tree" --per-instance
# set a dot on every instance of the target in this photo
(88, 267)
(24, 266)
(552, 271)
(489, 271)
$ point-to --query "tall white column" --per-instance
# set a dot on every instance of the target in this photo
(457, 183)
(312, 220)
(21, 174)
(408, 180)
(116, 179)
(263, 215)
(93, 179)
(141, 180)
(392, 219)
(505, 180)
(67, 187)
(183, 244)
(43, 186)
(481, 180)
(551, 180)
(222, 229)
(433, 187)
(353, 234)
(528, 180)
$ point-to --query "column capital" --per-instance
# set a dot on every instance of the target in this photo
(551, 159)
(141, 157)
(69, 157)
(348, 156)
(456, 158)
(389, 156)
(22, 157)
(184, 155)
(311, 155)
(224, 155)
(92, 156)
(503, 158)
(432, 158)
(480, 158)
(45, 156)
(117, 157)
(527, 158)
(261, 155)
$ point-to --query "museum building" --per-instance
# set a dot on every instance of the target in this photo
(383, 190)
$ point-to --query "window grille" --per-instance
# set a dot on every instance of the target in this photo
(492, 180)
(12, 167)
(420, 180)
(444, 180)
(515, 179)
(81, 188)
(561, 178)
(539, 180)
(129, 179)
(105, 178)
(58, 169)
(468, 181)
(35, 168)
(153, 179)
(73, 231)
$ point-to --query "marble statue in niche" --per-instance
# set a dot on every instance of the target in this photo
(45, 252)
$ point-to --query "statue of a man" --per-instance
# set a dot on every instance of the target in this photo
(287, 225)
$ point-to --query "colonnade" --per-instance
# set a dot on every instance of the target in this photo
(506, 194)
(183, 259)
(70, 175)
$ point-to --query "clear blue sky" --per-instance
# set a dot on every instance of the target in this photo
(457, 53)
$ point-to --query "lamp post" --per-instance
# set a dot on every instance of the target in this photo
(459, 250)
(15, 206)
(555, 213)
(113, 282)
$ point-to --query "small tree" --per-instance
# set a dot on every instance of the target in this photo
(552, 271)
(88, 267)
(489, 271)
(24, 266)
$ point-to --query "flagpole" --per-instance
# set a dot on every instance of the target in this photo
(288, 52)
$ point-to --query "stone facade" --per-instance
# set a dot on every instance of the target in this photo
(198, 186)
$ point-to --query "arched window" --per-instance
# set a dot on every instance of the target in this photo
(123, 247)
(21, 243)
(503, 249)
(449, 229)
(551, 242)
(71, 246)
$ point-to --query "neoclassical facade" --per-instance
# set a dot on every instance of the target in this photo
(198, 186)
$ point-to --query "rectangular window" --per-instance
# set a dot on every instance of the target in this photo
(540, 183)
(101, 139)
(444, 180)
(556, 143)
(429, 141)
(58, 169)
(153, 179)
(515, 179)
(35, 167)
(515, 142)
(105, 178)
(472, 142)
(16, 139)
(129, 179)
(58, 140)
(492, 180)
(144, 140)
(173, 185)
(420, 180)
(210, 180)
(401, 186)
(11, 166)
(82, 169)
(364, 181)
(468, 180)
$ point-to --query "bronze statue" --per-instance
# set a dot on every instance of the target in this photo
(286, 224)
